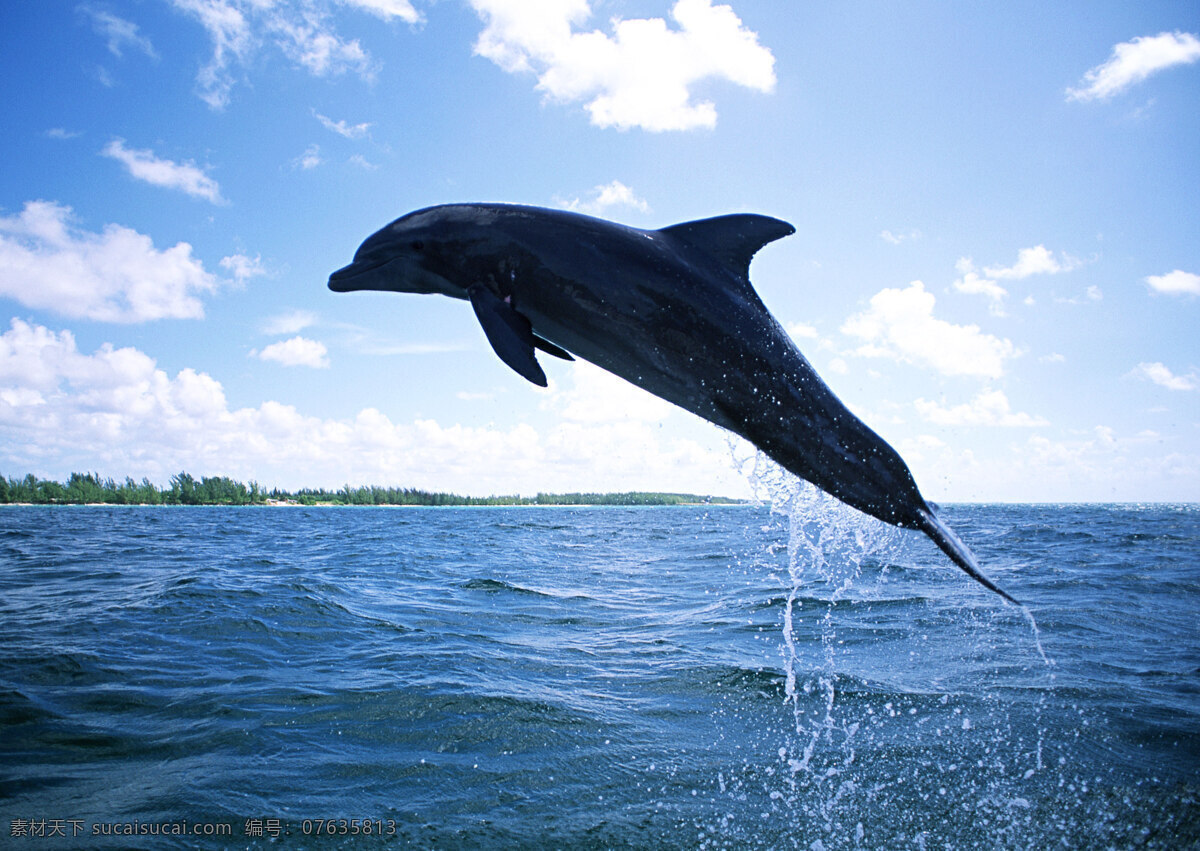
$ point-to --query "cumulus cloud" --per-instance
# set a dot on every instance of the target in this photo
(973, 283)
(1161, 375)
(144, 165)
(988, 408)
(1175, 283)
(118, 32)
(243, 268)
(301, 29)
(1033, 261)
(117, 275)
(605, 197)
(117, 412)
(1030, 261)
(297, 351)
(1134, 61)
(639, 76)
(899, 324)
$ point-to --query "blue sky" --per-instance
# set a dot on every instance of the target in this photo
(996, 264)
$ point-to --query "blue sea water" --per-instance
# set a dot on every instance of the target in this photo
(684, 677)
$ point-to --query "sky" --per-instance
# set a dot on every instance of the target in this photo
(996, 261)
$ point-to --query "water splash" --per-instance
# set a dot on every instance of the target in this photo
(839, 769)
(827, 544)
(1037, 636)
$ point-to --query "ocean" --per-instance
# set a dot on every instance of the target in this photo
(795, 676)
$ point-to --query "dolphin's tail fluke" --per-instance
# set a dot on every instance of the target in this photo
(951, 545)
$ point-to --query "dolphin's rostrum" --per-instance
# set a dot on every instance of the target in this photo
(670, 310)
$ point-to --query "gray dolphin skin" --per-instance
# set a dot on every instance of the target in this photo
(670, 310)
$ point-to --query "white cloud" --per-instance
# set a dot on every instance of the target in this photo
(1133, 61)
(300, 29)
(1030, 261)
(641, 75)
(1163, 377)
(243, 268)
(310, 159)
(144, 165)
(988, 408)
(233, 42)
(62, 133)
(902, 236)
(801, 331)
(119, 32)
(113, 276)
(973, 284)
(605, 197)
(1105, 465)
(1175, 283)
(306, 40)
(292, 322)
(598, 396)
(349, 131)
(297, 351)
(387, 9)
(117, 412)
(359, 161)
(1091, 293)
(1098, 464)
(1033, 261)
(900, 324)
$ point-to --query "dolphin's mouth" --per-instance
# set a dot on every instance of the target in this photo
(349, 278)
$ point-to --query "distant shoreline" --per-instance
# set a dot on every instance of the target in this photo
(185, 489)
(725, 502)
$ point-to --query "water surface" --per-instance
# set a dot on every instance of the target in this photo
(694, 677)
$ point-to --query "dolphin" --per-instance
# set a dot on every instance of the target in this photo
(670, 310)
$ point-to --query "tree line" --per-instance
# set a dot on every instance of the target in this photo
(185, 489)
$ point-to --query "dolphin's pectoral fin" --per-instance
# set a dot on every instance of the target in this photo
(732, 240)
(509, 332)
(551, 349)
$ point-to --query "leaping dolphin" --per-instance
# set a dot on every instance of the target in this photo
(670, 310)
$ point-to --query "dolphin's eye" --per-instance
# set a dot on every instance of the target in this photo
(418, 245)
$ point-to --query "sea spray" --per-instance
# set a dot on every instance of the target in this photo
(840, 712)
(827, 544)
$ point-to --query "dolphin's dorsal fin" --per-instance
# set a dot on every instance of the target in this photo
(509, 332)
(731, 240)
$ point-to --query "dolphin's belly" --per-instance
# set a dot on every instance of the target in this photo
(709, 365)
